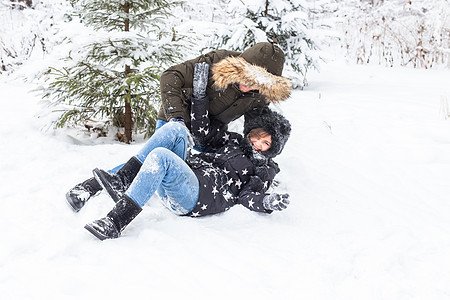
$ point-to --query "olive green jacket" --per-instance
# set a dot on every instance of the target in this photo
(226, 104)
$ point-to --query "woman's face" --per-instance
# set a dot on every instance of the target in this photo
(261, 143)
(243, 88)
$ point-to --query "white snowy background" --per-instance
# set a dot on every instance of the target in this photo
(367, 167)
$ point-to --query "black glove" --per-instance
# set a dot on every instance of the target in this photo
(200, 80)
(255, 184)
(276, 201)
(267, 171)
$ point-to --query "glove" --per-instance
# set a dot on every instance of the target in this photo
(255, 184)
(263, 173)
(257, 158)
(200, 80)
(276, 201)
(190, 141)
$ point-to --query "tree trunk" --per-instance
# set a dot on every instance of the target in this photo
(128, 114)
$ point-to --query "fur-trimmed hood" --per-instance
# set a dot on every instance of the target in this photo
(273, 123)
(236, 69)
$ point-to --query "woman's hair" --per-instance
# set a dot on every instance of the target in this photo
(258, 133)
(272, 123)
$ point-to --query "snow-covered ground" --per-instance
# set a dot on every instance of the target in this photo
(367, 167)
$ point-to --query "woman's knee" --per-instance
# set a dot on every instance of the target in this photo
(177, 128)
(158, 153)
(172, 125)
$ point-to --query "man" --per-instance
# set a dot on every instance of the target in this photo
(238, 83)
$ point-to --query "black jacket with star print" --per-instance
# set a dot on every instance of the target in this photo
(227, 172)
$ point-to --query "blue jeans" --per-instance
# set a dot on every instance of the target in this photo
(159, 124)
(165, 171)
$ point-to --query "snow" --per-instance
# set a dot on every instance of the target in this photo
(366, 167)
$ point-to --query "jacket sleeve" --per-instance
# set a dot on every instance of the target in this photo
(207, 133)
(176, 84)
(252, 195)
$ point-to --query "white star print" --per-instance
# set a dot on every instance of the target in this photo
(215, 191)
(245, 171)
(205, 115)
(201, 129)
(204, 206)
(225, 150)
(205, 172)
(195, 214)
(206, 131)
(238, 183)
(266, 184)
(228, 196)
(226, 171)
(250, 203)
(230, 182)
(226, 136)
(236, 141)
(192, 116)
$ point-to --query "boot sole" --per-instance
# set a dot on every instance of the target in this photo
(71, 204)
(105, 185)
(95, 233)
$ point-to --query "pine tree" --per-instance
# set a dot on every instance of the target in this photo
(116, 74)
(283, 21)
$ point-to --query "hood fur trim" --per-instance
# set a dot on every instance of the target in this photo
(237, 70)
(274, 124)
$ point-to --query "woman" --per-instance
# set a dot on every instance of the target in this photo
(238, 170)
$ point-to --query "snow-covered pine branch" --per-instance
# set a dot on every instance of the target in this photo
(114, 74)
(284, 21)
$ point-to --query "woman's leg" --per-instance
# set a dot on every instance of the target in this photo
(163, 168)
(160, 123)
(172, 136)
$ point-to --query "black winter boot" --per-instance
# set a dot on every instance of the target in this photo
(116, 220)
(81, 193)
(117, 184)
